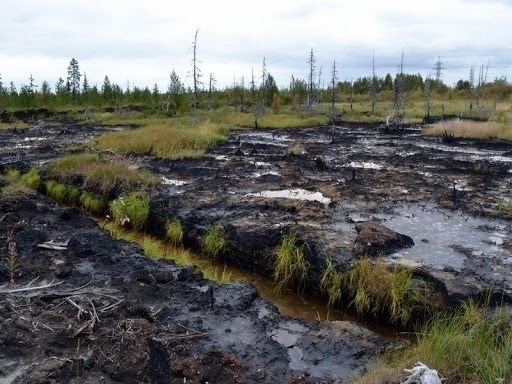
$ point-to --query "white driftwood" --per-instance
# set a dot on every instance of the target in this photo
(421, 374)
(54, 245)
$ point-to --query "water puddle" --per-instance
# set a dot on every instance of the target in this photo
(176, 183)
(294, 194)
(365, 165)
(447, 238)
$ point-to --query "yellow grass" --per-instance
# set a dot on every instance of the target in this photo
(170, 140)
(470, 129)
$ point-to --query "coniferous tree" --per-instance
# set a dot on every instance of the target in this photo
(106, 90)
(45, 93)
(73, 80)
(175, 93)
(85, 85)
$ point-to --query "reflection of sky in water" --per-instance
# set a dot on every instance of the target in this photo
(440, 230)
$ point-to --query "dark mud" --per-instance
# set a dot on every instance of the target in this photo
(260, 184)
(113, 315)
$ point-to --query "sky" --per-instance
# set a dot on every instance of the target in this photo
(139, 43)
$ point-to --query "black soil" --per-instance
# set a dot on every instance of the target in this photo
(112, 315)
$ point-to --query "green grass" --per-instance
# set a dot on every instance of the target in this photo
(93, 203)
(332, 283)
(131, 209)
(15, 189)
(100, 175)
(290, 265)
(72, 164)
(174, 232)
(214, 240)
(373, 289)
(56, 190)
(32, 179)
(472, 345)
(159, 249)
(376, 290)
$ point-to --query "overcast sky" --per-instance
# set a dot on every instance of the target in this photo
(141, 42)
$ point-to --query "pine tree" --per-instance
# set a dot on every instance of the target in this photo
(45, 93)
(175, 93)
(85, 85)
(73, 80)
(106, 89)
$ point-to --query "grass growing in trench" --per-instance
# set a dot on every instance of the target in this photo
(372, 288)
(131, 209)
(174, 232)
(290, 264)
(158, 249)
(215, 241)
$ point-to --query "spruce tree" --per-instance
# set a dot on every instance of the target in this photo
(73, 83)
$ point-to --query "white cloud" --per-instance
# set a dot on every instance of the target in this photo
(142, 41)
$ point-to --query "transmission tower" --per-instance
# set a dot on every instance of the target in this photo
(439, 69)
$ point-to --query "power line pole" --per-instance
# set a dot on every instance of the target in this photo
(439, 70)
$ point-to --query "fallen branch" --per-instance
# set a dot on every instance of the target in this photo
(25, 289)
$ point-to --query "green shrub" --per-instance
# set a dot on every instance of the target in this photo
(131, 210)
(290, 266)
(214, 241)
(174, 232)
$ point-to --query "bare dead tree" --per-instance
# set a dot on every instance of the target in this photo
(196, 74)
(428, 97)
(242, 94)
(374, 85)
(395, 119)
(311, 78)
(334, 77)
(211, 88)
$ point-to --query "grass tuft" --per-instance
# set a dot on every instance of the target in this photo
(131, 209)
(92, 203)
(472, 345)
(331, 283)
(290, 266)
(174, 232)
(215, 241)
(32, 179)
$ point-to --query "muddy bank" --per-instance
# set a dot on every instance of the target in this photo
(113, 315)
(262, 184)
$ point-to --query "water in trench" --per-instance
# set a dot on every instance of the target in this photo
(288, 302)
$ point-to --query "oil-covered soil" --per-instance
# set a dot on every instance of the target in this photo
(431, 205)
(115, 315)
(96, 310)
